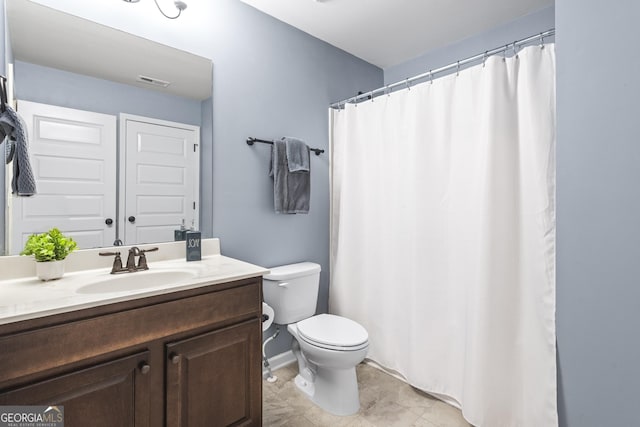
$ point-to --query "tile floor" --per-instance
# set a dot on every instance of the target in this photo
(384, 402)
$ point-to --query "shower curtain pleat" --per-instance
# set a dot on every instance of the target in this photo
(443, 235)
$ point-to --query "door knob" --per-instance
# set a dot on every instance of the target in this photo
(108, 221)
(175, 358)
(144, 368)
(132, 219)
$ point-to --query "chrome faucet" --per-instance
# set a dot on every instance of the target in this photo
(131, 266)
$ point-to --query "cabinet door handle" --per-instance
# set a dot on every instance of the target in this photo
(132, 219)
(175, 358)
(145, 368)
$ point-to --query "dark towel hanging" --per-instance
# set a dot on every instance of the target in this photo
(291, 190)
(13, 131)
(3, 94)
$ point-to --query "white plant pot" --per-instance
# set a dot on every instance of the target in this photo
(50, 270)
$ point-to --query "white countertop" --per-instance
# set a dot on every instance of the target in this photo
(26, 298)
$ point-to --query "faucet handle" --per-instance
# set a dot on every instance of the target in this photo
(142, 261)
(117, 262)
(109, 253)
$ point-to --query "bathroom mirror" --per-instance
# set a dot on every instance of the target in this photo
(62, 60)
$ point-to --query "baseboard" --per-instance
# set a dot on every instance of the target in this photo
(279, 361)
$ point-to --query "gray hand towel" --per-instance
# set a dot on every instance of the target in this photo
(291, 190)
(14, 132)
(297, 154)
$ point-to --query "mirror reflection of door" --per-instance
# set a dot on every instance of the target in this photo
(161, 178)
(74, 159)
(73, 155)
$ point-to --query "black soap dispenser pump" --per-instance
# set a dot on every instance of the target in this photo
(180, 234)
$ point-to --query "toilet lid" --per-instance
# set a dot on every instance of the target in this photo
(328, 329)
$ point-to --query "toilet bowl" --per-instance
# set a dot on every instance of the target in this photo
(331, 356)
(327, 347)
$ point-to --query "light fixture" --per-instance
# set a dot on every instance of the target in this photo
(180, 5)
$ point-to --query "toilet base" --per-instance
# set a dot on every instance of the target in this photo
(305, 386)
(334, 390)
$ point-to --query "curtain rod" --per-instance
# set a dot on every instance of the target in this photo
(455, 65)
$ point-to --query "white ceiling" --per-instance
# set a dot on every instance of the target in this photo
(389, 32)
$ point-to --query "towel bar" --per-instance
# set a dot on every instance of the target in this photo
(251, 140)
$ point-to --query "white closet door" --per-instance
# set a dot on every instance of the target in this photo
(162, 176)
(73, 154)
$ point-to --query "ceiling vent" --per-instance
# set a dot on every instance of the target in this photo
(152, 81)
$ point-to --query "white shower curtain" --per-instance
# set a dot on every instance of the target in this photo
(443, 235)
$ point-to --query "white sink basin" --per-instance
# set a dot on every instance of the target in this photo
(135, 281)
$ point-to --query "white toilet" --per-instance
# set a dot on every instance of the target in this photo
(327, 347)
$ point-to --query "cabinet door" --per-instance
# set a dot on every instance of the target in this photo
(111, 394)
(214, 379)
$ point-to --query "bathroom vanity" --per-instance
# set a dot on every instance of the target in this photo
(174, 354)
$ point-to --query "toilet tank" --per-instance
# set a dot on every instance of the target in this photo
(292, 291)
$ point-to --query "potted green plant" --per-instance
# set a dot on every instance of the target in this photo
(49, 249)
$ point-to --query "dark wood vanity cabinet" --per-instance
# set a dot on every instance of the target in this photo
(217, 365)
(189, 358)
(114, 393)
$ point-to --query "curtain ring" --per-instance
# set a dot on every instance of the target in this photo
(515, 51)
(484, 58)
(431, 76)
(457, 68)
(504, 52)
(371, 95)
(388, 90)
(407, 84)
(541, 41)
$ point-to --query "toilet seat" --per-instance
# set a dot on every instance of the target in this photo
(333, 333)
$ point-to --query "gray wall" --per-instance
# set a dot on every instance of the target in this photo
(56, 87)
(598, 211)
(206, 172)
(525, 26)
(272, 80)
